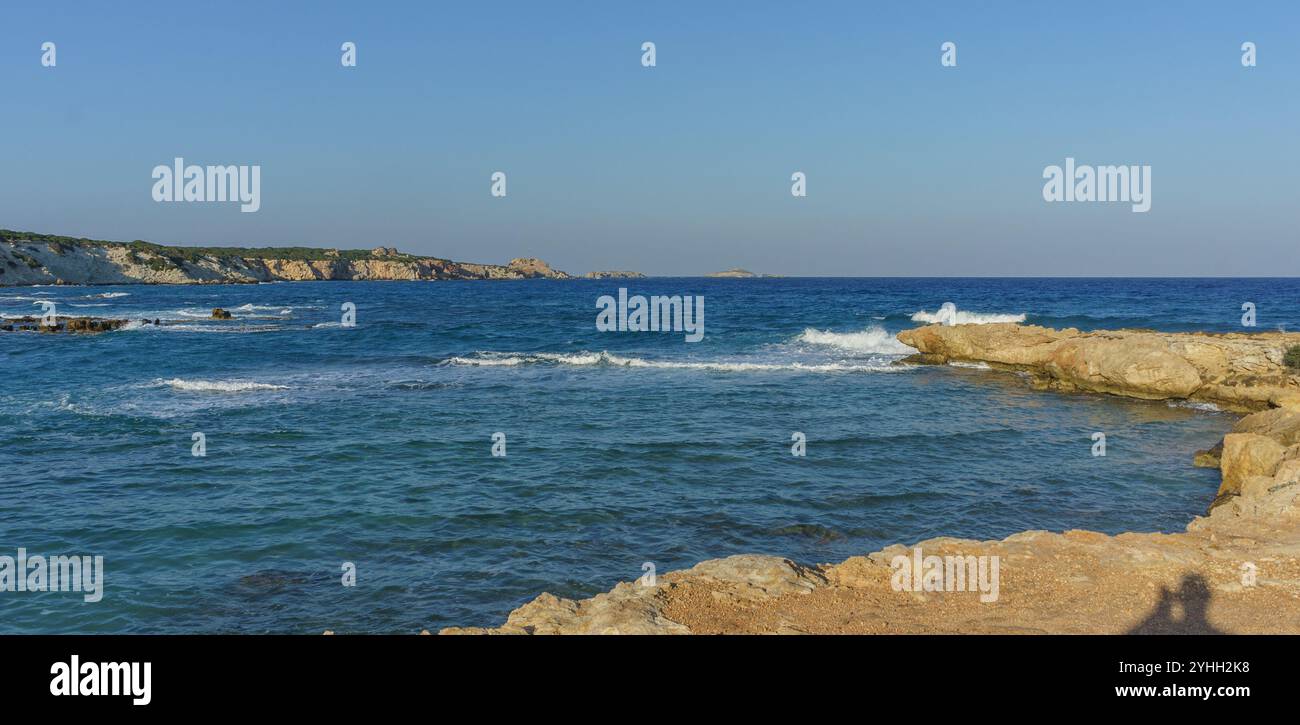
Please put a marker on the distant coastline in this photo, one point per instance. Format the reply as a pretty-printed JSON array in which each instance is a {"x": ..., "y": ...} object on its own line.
[{"x": 28, "y": 259}]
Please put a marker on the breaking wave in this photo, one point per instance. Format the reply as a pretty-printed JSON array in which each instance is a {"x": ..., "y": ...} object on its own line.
[
  {"x": 971, "y": 365},
  {"x": 217, "y": 386},
  {"x": 948, "y": 314},
  {"x": 248, "y": 310},
  {"x": 221, "y": 329},
  {"x": 873, "y": 340},
  {"x": 490, "y": 359}
]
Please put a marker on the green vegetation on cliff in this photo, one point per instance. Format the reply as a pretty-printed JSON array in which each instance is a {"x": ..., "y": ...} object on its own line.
[{"x": 1292, "y": 357}]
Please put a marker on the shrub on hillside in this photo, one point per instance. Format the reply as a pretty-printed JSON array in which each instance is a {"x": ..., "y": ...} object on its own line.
[{"x": 1292, "y": 358}]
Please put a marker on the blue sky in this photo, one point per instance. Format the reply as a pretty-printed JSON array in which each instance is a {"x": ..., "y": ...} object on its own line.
[{"x": 913, "y": 169}]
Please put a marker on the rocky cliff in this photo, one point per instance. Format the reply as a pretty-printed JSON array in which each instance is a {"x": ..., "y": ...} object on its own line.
[
  {"x": 1234, "y": 570},
  {"x": 1234, "y": 370},
  {"x": 28, "y": 259}
]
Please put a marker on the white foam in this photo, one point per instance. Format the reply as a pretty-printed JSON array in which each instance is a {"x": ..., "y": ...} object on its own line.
[
  {"x": 222, "y": 329},
  {"x": 1194, "y": 405},
  {"x": 971, "y": 365},
  {"x": 873, "y": 340},
  {"x": 948, "y": 314},
  {"x": 274, "y": 309},
  {"x": 486, "y": 359},
  {"x": 220, "y": 386},
  {"x": 248, "y": 310},
  {"x": 110, "y": 295}
]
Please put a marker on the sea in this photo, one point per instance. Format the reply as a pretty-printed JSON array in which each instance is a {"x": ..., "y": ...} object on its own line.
[{"x": 452, "y": 449}]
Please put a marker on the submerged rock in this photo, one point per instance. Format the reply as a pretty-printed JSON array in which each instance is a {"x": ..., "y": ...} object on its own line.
[{"x": 61, "y": 324}]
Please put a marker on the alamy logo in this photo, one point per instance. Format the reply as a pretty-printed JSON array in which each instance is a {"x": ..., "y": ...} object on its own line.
[
  {"x": 1247, "y": 314},
  {"x": 919, "y": 573},
  {"x": 213, "y": 183},
  {"x": 656, "y": 314},
  {"x": 1101, "y": 183},
  {"x": 75, "y": 677},
  {"x": 55, "y": 574},
  {"x": 1249, "y": 574}
]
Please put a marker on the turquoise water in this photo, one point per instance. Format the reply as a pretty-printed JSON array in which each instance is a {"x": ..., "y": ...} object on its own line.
[{"x": 372, "y": 444}]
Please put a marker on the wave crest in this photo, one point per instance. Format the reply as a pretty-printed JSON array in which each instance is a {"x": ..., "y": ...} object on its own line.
[
  {"x": 218, "y": 386},
  {"x": 873, "y": 340},
  {"x": 948, "y": 314},
  {"x": 489, "y": 359}
]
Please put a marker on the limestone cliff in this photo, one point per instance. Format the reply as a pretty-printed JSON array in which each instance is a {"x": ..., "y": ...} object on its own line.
[
  {"x": 1234, "y": 370},
  {"x": 27, "y": 259}
]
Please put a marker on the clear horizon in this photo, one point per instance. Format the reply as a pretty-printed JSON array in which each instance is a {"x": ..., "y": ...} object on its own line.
[{"x": 913, "y": 169}]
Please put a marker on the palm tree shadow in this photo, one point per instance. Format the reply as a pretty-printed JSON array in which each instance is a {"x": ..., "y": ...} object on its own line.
[{"x": 1193, "y": 597}]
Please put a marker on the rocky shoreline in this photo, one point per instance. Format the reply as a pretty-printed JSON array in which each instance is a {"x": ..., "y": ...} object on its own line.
[
  {"x": 34, "y": 259},
  {"x": 1234, "y": 570}
]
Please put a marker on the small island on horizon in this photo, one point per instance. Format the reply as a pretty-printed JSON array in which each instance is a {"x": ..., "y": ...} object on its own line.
[{"x": 738, "y": 273}]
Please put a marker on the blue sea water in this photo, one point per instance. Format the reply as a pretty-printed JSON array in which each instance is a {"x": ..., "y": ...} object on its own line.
[{"x": 372, "y": 444}]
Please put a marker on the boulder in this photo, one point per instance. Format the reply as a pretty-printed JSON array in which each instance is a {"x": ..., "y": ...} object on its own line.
[
  {"x": 1280, "y": 424},
  {"x": 220, "y": 314},
  {"x": 1138, "y": 366},
  {"x": 1003, "y": 343},
  {"x": 1246, "y": 455}
]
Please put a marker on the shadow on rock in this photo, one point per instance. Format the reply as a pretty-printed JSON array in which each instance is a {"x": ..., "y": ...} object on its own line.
[{"x": 1180, "y": 612}]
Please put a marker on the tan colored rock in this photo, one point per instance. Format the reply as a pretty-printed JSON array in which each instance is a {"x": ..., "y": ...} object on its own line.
[
  {"x": 1256, "y": 486},
  {"x": 1246, "y": 455},
  {"x": 1287, "y": 472},
  {"x": 1235, "y": 370},
  {"x": 635, "y": 608},
  {"x": 1138, "y": 366},
  {"x": 1280, "y": 424},
  {"x": 1071, "y": 582},
  {"x": 1005, "y": 344}
]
